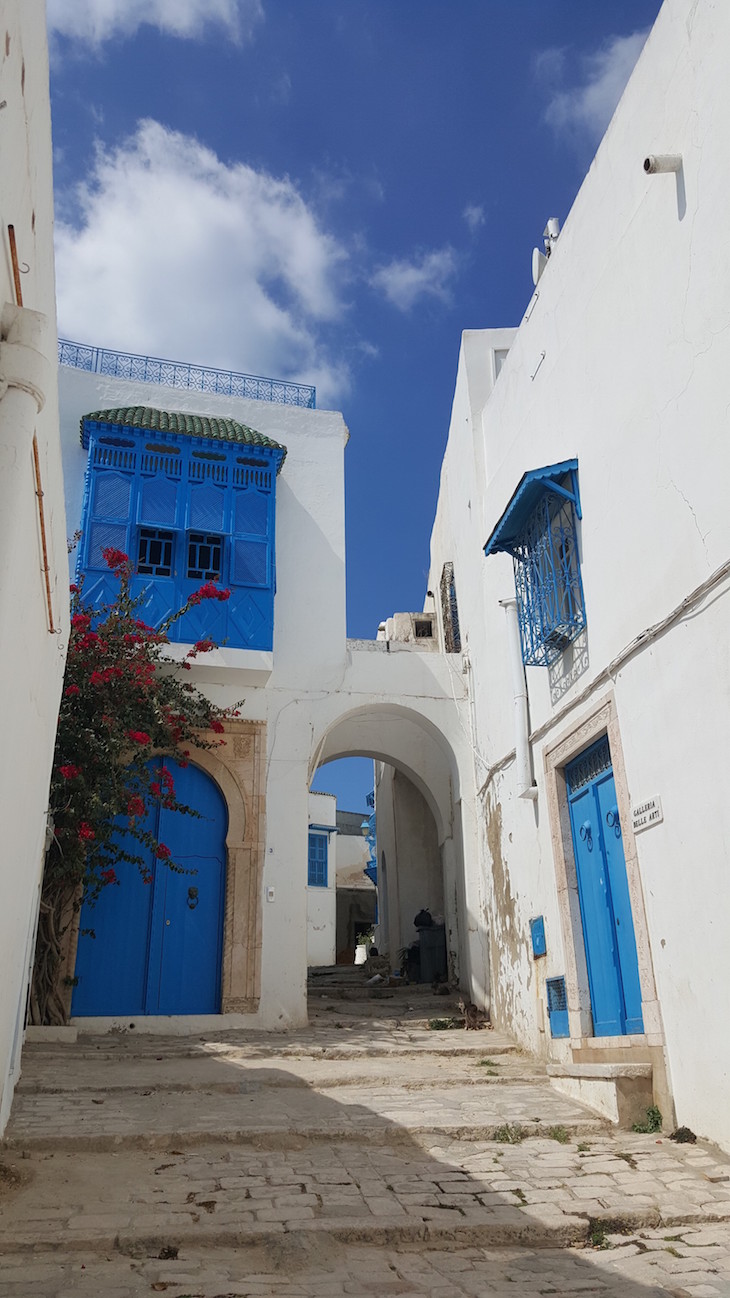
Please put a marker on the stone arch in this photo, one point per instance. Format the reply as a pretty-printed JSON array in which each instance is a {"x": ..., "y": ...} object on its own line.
[{"x": 408, "y": 740}]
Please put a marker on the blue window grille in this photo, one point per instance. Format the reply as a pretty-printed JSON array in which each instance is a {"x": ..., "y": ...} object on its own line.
[
  {"x": 154, "y": 555},
  {"x": 317, "y": 872},
  {"x": 187, "y": 510},
  {"x": 538, "y": 529},
  {"x": 557, "y": 1007}
]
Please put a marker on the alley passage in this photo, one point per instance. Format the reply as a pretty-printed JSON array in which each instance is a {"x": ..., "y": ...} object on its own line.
[{"x": 364, "y": 1155}]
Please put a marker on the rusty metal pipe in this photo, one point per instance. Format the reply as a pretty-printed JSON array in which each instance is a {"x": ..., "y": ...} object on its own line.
[
  {"x": 44, "y": 545},
  {"x": 15, "y": 265}
]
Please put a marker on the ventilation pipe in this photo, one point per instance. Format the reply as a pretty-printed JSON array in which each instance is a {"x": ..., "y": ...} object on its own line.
[
  {"x": 525, "y": 786},
  {"x": 657, "y": 163}
]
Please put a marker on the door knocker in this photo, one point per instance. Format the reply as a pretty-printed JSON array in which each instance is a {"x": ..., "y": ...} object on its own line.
[
  {"x": 613, "y": 821},
  {"x": 586, "y": 834},
  {"x": 193, "y": 898}
]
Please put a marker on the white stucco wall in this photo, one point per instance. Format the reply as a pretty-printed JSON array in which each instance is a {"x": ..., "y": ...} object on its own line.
[
  {"x": 622, "y": 361},
  {"x": 413, "y": 874},
  {"x": 321, "y": 902},
  {"x": 31, "y": 657}
]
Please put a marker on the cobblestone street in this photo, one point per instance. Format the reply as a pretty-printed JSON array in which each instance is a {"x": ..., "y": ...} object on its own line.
[{"x": 364, "y": 1155}]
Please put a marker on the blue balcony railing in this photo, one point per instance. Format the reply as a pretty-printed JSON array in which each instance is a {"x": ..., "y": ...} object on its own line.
[{"x": 176, "y": 374}]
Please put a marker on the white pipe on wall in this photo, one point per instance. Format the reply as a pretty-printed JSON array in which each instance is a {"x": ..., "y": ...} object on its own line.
[{"x": 525, "y": 786}]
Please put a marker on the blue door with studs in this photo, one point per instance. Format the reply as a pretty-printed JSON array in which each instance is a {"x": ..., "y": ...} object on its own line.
[
  {"x": 156, "y": 947},
  {"x": 605, "y": 904}
]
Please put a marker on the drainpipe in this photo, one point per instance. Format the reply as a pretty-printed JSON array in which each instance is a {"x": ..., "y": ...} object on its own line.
[{"x": 525, "y": 786}]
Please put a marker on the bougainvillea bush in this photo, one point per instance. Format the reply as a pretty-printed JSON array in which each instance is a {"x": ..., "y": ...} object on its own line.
[{"x": 125, "y": 701}]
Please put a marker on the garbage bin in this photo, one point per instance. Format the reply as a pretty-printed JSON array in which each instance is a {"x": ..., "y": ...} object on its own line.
[{"x": 433, "y": 953}]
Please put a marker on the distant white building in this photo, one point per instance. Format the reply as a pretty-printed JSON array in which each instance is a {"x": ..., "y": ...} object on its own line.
[
  {"x": 322, "y": 880},
  {"x": 588, "y": 453},
  {"x": 33, "y": 594}
]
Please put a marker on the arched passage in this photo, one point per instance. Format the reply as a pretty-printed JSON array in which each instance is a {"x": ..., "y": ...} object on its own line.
[{"x": 424, "y": 800}]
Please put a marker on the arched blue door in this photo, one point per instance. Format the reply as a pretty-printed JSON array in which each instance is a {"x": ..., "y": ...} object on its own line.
[{"x": 157, "y": 947}]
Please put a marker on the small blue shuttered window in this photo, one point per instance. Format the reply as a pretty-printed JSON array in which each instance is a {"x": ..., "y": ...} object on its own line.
[
  {"x": 317, "y": 872},
  {"x": 186, "y": 509}
]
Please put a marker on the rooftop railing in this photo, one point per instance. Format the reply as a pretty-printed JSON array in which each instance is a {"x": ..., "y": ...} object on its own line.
[{"x": 176, "y": 374}]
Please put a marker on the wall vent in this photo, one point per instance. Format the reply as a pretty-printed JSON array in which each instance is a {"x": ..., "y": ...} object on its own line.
[{"x": 557, "y": 1007}]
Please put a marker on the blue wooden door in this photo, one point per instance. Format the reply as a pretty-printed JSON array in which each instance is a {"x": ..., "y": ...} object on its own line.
[
  {"x": 157, "y": 948},
  {"x": 605, "y": 905}
]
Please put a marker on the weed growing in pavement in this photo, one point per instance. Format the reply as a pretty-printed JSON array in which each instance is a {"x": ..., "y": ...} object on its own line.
[
  {"x": 559, "y": 1134},
  {"x": 652, "y": 1122},
  {"x": 510, "y": 1134},
  {"x": 597, "y": 1237},
  {"x": 583, "y": 1147}
]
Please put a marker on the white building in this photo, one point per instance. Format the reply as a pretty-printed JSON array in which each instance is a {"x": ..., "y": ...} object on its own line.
[
  {"x": 322, "y": 880},
  {"x": 33, "y": 595},
  {"x": 191, "y": 483},
  {"x": 593, "y": 462}
]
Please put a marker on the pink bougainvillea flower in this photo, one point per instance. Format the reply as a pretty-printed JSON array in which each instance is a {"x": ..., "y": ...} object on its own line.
[
  {"x": 74, "y": 588},
  {"x": 217, "y": 726},
  {"x": 109, "y": 876},
  {"x": 85, "y": 831},
  {"x": 81, "y": 620},
  {"x": 162, "y": 852},
  {"x": 69, "y": 772},
  {"x": 114, "y": 559},
  {"x": 135, "y": 806},
  {"x": 70, "y": 690},
  {"x": 139, "y": 736}
]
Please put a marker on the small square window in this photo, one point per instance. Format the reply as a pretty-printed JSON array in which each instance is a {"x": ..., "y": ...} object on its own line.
[
  {"x": 205, "y": 556},
  {"x": 424, "y": 630},
  {"x": 154, "y": 556}
]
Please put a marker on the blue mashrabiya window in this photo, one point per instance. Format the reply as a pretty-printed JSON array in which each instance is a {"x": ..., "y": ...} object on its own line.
[
  {"x": 538, "y": 528},
  {"x": 190, "y": 500}
]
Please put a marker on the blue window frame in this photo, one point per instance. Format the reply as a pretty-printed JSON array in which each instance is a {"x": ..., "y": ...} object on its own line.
[
  {"x": 187, "y": 510},
  {"x": 317, "y": 872},
  {"x": 538, "y": 528}
]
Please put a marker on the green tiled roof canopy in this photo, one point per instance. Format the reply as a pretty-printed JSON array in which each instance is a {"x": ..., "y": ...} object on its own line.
[{"x": 164, "y": 421}]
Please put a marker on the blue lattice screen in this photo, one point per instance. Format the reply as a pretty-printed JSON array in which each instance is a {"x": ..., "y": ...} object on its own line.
[
  {"x": 317, "y": 872},
  {"x": 185, "y": 512}
]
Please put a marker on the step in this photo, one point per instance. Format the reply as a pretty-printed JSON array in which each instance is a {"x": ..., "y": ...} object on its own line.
[
  {"x": 621, "y": 1092},
  {"x": 269, "y": 1116},
  {"x": 539, "y": 1192}
]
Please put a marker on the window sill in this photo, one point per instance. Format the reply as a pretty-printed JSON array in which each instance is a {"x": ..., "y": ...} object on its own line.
[{"x": 246, "y": 666}]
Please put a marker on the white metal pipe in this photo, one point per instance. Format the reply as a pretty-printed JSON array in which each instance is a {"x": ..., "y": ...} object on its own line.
[{"x": 525, "y": 786}]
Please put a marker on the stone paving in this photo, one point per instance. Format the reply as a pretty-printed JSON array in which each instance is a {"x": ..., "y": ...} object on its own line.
[{"x": 380, "y": 1158}]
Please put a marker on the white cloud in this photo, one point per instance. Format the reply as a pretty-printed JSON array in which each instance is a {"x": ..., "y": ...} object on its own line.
[
  {"x": 177, "y": 254},
  {"x": 586, "y": 109},
  {"x": 430, "y": 275},
  {"x": 96, "y": 21},
  {"x": 474, "y": 216}
]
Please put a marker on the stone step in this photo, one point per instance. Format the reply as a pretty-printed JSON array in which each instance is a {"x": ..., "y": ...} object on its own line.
[
  {"x": 273, "y": 1115},
  {"x": 538, "y": 1191}
]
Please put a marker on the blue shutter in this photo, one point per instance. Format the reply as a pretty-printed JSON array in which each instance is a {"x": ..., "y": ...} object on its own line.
[
  {"x": 317, "y": 873},
  {"x": 557, "y": 1007}
]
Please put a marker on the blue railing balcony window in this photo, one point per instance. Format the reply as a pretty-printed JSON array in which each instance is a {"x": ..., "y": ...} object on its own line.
[{"x": 538, "y": 528}]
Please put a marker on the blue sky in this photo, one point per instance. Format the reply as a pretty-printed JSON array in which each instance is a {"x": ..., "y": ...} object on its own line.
[{"x": 327, "y": 190}]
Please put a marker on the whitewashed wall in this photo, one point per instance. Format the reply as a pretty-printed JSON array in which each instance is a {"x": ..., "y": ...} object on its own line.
[
  {"x": 621, "y": 360},
  {"x": 321, "y": 902},
  {"x": 31, "y": 657},
  {"x": 321, "y": 696}
]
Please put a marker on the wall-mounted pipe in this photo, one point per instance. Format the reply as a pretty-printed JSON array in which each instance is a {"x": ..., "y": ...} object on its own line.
[
  {"x": 525, "y": 786},
  {"x": 656, "y": 163}
]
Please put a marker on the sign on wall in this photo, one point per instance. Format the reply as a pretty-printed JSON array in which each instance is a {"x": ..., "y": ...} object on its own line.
[{"x": 647, "y": 814}]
